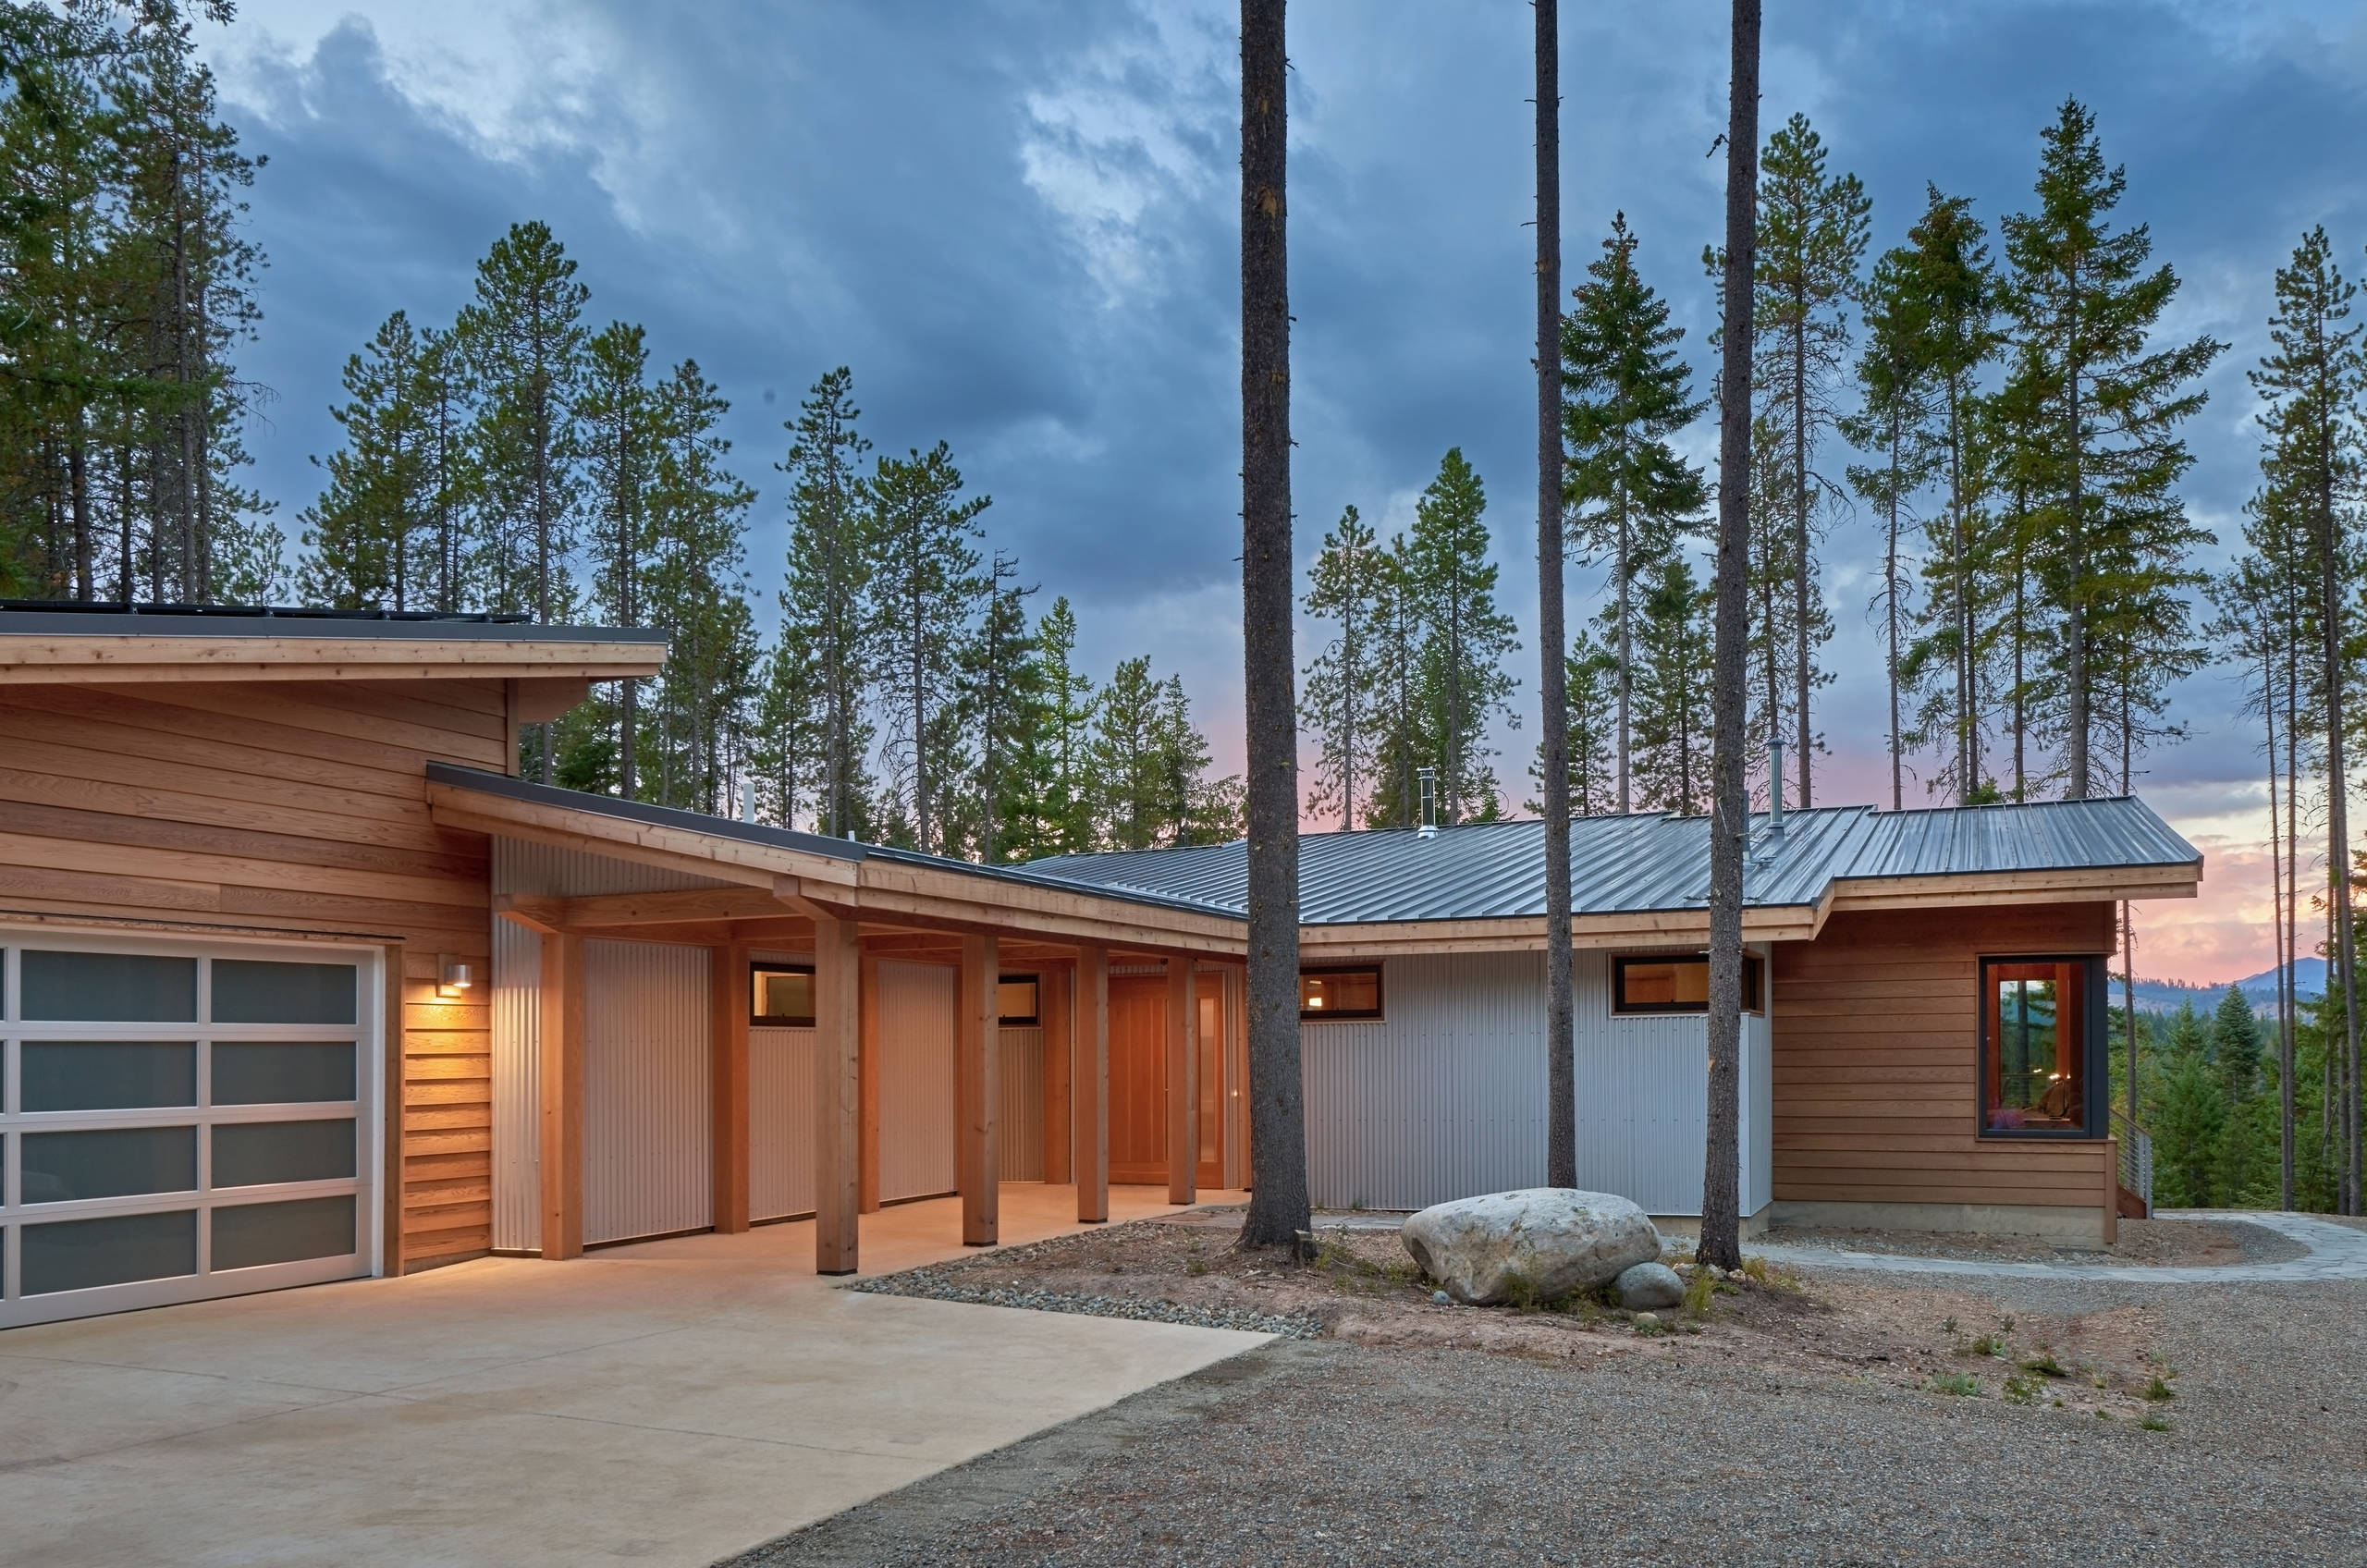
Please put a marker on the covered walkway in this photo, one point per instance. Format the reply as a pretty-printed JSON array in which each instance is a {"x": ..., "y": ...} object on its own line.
[{"x": 672, "y": 1402}]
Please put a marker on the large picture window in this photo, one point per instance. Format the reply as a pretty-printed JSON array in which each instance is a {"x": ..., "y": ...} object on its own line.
[
  {"x": 1350, "y": 994},
  {"x": 1678, "y": 983},
  {"x": 2041, "y": 1037}
]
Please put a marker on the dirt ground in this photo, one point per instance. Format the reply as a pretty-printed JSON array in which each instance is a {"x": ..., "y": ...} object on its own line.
[
  {"x": 2157, "y": 1242},
  {"x": 1363, "y": 1289}
]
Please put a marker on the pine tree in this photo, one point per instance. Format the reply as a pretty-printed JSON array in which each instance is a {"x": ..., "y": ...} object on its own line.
[
  {"x": 928, "y": 590},
  {"x": 2108, "y": 404},
  {"x": 622, "y": 440},
  {"x": 362, "y": 538},
  {"x": 1069, "y": 706},
  {"x": 1345, "y": 585},
  {"x": 697, "y": 587},
  {"x": 2311, "y": 385},
  {"x": 785, "y": 749},
  {"x": 1946, "y": 283},
  {"x": 1003, "y": 699},
  {"x": 2236, "y": 1046},
  {"x": 1631, "y": 498},
  {"x": 1152, "y": 764},
  {"x": 1673, "y": 738},
  {"x": 1402, "y": 747},
  {"x": 826, "y": 595},
  {"x": 1590, "y": 684},
  {"x": 1465, "y": 636},
  {"x": 1811, "y": 241},
  {"x": 1899, "y": 391}
]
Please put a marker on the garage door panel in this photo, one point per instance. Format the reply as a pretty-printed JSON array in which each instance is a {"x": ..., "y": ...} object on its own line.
[
  {"x": 179, "y": 1121},
  {"x": 648, "y": 1118},
  {"x": 918, "y": 1005}
]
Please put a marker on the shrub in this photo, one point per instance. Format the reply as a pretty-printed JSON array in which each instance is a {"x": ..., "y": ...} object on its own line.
[
  {"x": 2044, "y": 1363},
  {"x": 2157, "y": 1391},
  {"x": 1962, "y": 1384},
  {"x": 1698, "y": 1289}
]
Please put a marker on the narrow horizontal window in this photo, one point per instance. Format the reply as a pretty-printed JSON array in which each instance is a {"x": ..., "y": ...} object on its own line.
[
  {"x": 251, "y": 991},
  {"x": 109, "y": 987},
  {"x": 107, "y": 1074},
  {"x": 1017, "y": 1001},
  {"x": 781, "y": 996},
  {"x": 1678, "y": 983},
  {"x": 1346, "y": 994}
]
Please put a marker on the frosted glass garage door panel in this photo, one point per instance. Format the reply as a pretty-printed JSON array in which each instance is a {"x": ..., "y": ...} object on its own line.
[
  {"x": 917, "y": 1006},
  {"x": 108, "y": 987}
]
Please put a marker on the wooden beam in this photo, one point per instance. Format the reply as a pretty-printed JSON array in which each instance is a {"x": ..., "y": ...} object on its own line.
[
  {"x": 730, "y": 1001},
  {"x": 2112, "y": 1191},
  {"x": 608, "y": 910},
  {"x": 977, "y": 1162},
  {"x": 869, "y": 1050},
  {"x": 542, "y": 699},
  {"x": 1182, "y": 1080},
  {"x": 1052, "y": 1011},
  {"x": 837, "y": 1097},
  {"x": 562, "y": 1053},
  {"x": 540, "y": 915},
  {"x": 1089, "y": 1083}
]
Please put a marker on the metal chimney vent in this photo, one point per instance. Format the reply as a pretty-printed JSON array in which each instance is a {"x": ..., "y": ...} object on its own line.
[{"x": 1429, "y": 779}]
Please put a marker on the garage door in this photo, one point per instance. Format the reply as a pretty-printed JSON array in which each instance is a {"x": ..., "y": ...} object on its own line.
[{"x": 178, "y": 1122}]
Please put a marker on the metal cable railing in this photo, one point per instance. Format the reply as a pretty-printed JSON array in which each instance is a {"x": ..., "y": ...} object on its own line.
[{"x": 2136, "y": 1159}]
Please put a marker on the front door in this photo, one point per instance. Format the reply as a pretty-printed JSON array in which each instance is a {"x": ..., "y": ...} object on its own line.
[{"x": 1138, "y": 1078}]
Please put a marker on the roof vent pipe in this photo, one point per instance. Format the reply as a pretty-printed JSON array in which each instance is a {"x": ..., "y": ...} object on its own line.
[
  {"x": 1428, "y": 777},
  {"x": 748, "y": 799},
  {"x": 1774, "y": 793}
]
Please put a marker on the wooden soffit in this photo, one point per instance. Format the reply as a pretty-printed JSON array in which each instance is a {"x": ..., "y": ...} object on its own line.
[{"x": 37, "y": 659}]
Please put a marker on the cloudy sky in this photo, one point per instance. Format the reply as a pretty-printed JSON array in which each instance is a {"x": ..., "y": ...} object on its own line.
[{"x": 1015, "y": 223}]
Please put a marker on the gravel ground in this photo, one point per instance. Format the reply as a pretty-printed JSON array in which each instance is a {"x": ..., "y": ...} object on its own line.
[
  {"x": 2161, "y": 1242},
  {"x": 1337, "y": 1451}
]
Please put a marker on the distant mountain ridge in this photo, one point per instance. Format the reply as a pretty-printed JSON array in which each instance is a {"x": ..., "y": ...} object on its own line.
[{"x": 2168, "y": 996}]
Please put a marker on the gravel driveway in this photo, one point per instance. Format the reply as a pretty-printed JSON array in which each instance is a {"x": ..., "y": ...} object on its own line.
[{"x": 1333, "y": 1452}]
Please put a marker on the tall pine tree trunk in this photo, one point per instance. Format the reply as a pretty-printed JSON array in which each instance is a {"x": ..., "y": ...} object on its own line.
[
  {"x": 1800, "y": 673},
  {"x": 1626, "y": 662},
  {"x": 1721, "y": 1242},
  {"x": 1560, "y": 1067},
  {"x": 1890, "y": 607},
  {"x": 1278, "y": 1203},
  {"x": 2277, "y": 920},
  {"x": 2331, "y": 589}
]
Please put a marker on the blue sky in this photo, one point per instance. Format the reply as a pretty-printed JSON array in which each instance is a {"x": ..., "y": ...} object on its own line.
[{"x": 1015, "y": 223}]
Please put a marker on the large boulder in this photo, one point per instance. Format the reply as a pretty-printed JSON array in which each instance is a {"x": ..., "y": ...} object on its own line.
[{"x": 1539, "y": 1242}]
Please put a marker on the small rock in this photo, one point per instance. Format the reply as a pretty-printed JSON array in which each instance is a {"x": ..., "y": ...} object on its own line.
[
  {"x": 1646, "y": 1321},
  {"x": 1442, "y": 1298},
  {"x": 1650, "y": 1284},
  {"x": 1541, "y": 1242}
]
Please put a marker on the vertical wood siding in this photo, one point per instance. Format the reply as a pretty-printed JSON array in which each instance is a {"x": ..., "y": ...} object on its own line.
[
  {"x": 648, "y": 1120},
  {"x": 781, "y": 1123},
  {"x": 917, "y": 1007},
  {"x": 282, "y": 807},
  {"x": 1877, "y": 1057},
  {"x": 1022, "y": 1077}
]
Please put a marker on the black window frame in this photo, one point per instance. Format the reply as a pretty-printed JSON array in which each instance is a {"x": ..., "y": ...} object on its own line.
[
  {"x": 1374, "y": 1014},
  {"x": 775, "y": 1020},
  {"x": 1032, "y": 1020},
  {"x": 1754, "y": 968},
  {"x": 2095, "y": 1055}
]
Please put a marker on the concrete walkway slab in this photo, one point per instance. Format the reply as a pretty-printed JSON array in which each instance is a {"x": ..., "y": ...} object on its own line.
[
  {"x": 670, "y": 1403},
  {"x": 2336, "y": 1252}
]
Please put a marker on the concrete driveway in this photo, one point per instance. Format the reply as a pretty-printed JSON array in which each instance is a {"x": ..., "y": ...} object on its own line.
[{"x": 669, "y": 1402}]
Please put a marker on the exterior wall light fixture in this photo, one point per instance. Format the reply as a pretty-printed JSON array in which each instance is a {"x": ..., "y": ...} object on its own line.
[{"x": 454, "y": 977}]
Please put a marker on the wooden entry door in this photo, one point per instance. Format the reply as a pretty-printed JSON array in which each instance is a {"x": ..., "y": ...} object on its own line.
[{"x": 1138, "y": 1080}]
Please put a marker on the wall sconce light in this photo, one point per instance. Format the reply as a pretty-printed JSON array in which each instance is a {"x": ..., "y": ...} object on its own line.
[{"x": 454, "y": 977}]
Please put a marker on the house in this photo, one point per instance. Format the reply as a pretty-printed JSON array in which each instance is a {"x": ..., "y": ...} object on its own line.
[{"x": 299, "y": 983}]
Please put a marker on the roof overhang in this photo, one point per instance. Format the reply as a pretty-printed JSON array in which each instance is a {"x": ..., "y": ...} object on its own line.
[
  {"x": 801, "y": 873},
  {"x": 39, "y": 648}
]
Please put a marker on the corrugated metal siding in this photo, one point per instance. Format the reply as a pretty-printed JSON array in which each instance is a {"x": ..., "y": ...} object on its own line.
[
  {"x": 516, "y": 1084},
  {"x": 520, "y": 866},
  {"x": 780, "y": 1122},
  {"x": 1759, "y": 1113},
  {"x": 1642, "y": 1088},
  {"x": 1442, "y": 1098},
  {"x": 648, "y": 1124},
  {"x": 917, "y": 1005},
  {"x": 1022, "y": 1077}
]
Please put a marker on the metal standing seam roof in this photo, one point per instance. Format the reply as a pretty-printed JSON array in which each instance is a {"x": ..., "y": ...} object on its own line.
[
  {"x": 483, "y": 783},
  {"x": 1639, "y": 865}
]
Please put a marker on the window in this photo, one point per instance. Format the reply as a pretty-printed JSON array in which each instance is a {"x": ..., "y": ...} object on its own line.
[
  {"x": 1351, "y": 994},
  {"x": 781, "y": 996},
  {"x": 1016, "y": 1003},
  {"x": 2040, "y": 1038},
  {"x": 1679, "y": 982}
]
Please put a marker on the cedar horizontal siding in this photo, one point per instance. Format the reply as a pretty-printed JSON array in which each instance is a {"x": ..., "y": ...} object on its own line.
[
  {"x": 1877, "y": 1027},
  {"x": 283, "y": 806}
]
